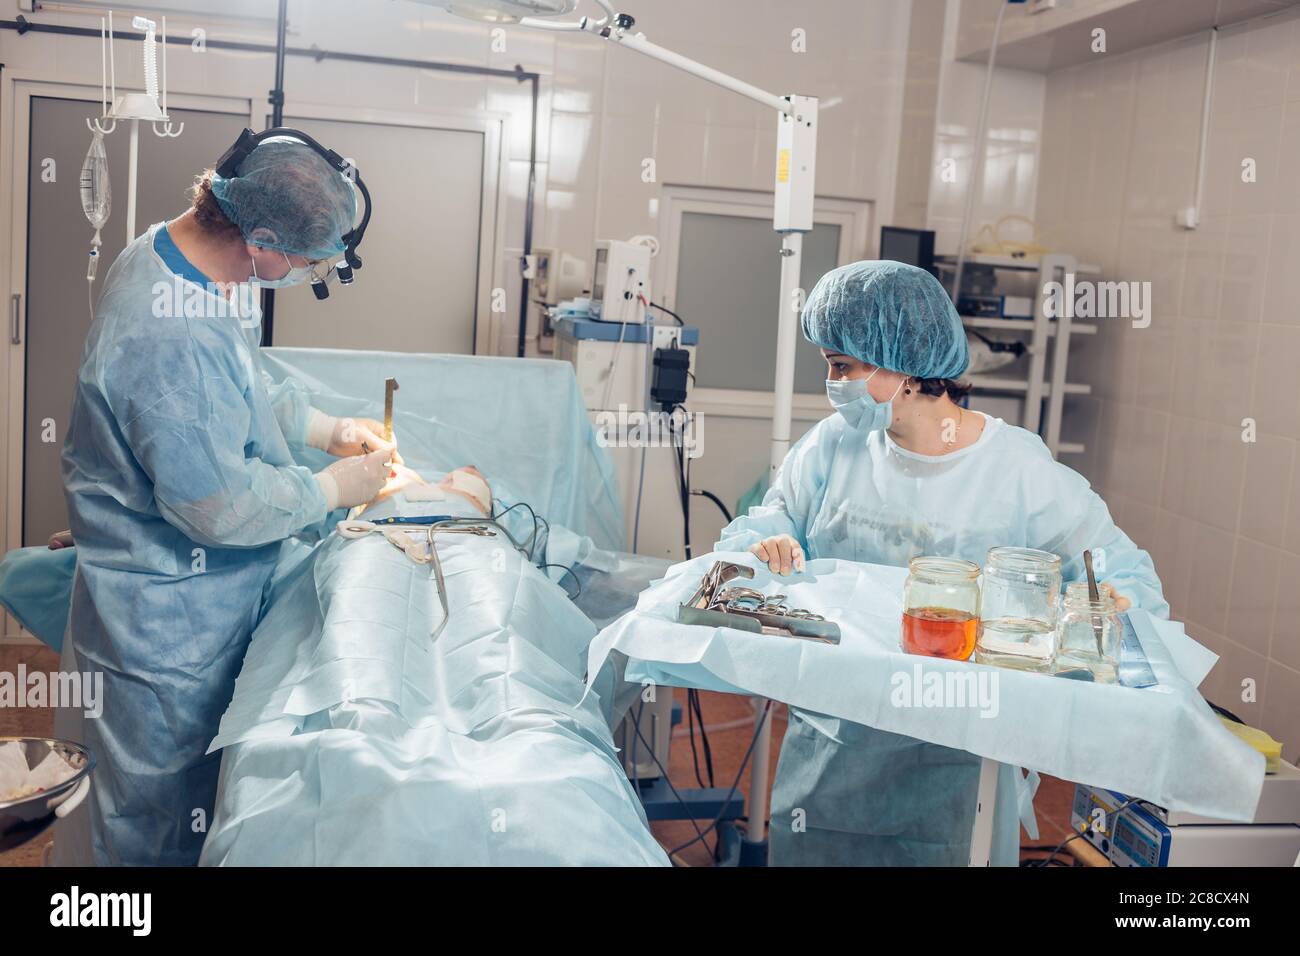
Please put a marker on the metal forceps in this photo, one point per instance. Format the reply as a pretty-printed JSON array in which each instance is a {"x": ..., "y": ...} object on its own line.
[
  {"x": 474, "y": 526},
  {"x": 358, "y": 528},
  {"x": 403, "y": 533}
]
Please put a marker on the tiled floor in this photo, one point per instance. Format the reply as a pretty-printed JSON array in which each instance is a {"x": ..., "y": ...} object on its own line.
[
  {"x": 728, "y": 715},
  {"x": 1051, "y": 805}
]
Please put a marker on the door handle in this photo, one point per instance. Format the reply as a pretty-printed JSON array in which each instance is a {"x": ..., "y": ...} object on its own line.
[{"x": 16, "y": 327}]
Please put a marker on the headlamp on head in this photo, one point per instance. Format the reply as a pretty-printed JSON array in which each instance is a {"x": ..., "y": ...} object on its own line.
[{"x": 323, "y": 274}]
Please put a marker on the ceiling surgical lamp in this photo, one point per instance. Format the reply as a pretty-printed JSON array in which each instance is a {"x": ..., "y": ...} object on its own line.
[
  {"x": 508, "y": 11},
  {"x": 796, "y": 159}
]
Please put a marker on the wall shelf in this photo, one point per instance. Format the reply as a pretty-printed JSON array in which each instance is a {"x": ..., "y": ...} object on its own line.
[
  {"x": 1056, "y": 38},
  {"x": 994, "y": 383},
  {"x": 1044, "y": 386},
  {"x": 1022, "y": 325}
]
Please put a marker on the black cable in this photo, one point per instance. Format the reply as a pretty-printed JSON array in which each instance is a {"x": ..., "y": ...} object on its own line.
[
  {"x": 1224, "y": 712},
  {"x": 1068, "y": 863},
  {"x": 521, "y": 347},
  {"x": 1114, "y": 816},
  {"x": 690, "y": 730},
  {"x": 1017, "y": 348},
  {"x": 681, "y": 488},
  {"x": 758, "y": 727},
  {"x": 636, "y": 725},
  {"x": 694, "y": 698},
  {"x": 539, "y": 524},
  {"x": 276, "y": 99},
  {"x": 636, "y": 773},
  {"x": 717, "y": 501},
  {"x": 578, "y": 583},
  {"x": 686, "y": 502},
  {"x": 667, "y": 311},
  {"x": 693, "y": 711},
  {"x": 683, "y": 478},
  {"x": 686, "y": 461}
]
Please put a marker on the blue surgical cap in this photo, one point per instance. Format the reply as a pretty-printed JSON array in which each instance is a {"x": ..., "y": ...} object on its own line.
[
  {"x": 890, "y": 315},
  {"x": 287, "y": 197}
]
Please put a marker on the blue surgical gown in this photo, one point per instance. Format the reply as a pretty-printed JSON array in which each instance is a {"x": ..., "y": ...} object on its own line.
[
  {"x": 180, "y": 485},
  {"x": 873, "y": 798}
]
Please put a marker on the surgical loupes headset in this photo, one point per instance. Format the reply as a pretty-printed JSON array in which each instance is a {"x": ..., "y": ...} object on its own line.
[{"x": 228, "y": 166}]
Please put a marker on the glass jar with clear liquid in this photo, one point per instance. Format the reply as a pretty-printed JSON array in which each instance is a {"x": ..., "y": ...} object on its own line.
[
  {"x": 1022, "y": 591},
  {"x": 1088, "y": 634},
  {"x": 941, "y": 607}
]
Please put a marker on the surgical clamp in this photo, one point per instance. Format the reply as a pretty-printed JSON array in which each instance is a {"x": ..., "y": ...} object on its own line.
[{"x": 747, "y": 609}]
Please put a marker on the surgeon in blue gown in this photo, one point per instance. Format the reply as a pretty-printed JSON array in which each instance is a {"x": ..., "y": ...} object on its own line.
[
  {"x": 181, "y": 482},
  {"x": 903, "y": 470}
]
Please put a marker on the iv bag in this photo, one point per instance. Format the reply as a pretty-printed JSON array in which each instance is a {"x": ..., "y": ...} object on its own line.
[{"x": 96, "y": 196}]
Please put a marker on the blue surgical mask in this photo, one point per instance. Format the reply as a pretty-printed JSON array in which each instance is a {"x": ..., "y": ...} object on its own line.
[
  {"x": 295, "y": 276},
  {"x": 856, "y": 406}
]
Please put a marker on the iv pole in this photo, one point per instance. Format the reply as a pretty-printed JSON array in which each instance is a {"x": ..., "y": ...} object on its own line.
[
  {"x": 135, "y": 106},
  {"x": 796, "y": 161}
]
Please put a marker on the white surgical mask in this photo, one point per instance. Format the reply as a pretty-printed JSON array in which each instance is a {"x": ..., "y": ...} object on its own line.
[
  {"x": 295, "y": 276},
  {"x": 855, "y": 405}
]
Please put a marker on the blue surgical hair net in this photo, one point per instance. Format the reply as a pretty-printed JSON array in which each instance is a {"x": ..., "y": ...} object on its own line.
[
  {"x": 890, "y": 315},
  {"x": 287, "y": 197}
]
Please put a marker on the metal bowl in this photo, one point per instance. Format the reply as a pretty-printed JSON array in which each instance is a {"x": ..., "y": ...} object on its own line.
[{"x": 28, "y": 817}]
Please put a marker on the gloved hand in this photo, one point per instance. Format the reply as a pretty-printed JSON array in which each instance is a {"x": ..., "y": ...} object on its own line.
[
  {"x": 1122, "y": 603},
  {"x": 60, "y": 539},
  {"x": 345, "y": 437},
  {"x": 354, "y": 481},
  {"x": 399, "y": 478},
  {"x": 782, "y": 553}
]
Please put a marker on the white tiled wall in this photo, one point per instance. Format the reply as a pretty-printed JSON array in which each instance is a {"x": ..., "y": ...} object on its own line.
[
  {"x": 1011, "y": 153},
  {"x": 1220, "y": 515},
  {"x": 924, "y": 69}
]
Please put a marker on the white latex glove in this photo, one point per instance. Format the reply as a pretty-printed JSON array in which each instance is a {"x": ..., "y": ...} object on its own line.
[
  {"x": 346, "y": 437},
  {"x": 1122, "y": 603},
  {"x": 353, "y": 481},
  {"x": 399, "y": 479},
  {"x": 781, "y": 552}
]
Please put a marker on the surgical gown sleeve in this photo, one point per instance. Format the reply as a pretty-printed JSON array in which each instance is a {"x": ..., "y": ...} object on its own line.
[
  {"x": 1067, "y": 517},
  {"x": 291, "y": 403},
  {"x": 186, "y": 408},
  {"x": 793, "y": 499}
]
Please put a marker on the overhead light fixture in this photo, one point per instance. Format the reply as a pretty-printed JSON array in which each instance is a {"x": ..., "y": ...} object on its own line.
[{"x": 508, "y": 11}]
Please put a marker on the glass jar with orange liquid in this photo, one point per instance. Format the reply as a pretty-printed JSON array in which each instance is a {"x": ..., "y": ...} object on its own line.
[{"x": 941, "y": 607}]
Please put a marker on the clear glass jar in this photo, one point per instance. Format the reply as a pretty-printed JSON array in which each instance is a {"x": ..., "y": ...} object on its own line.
[
  {"x": 941, "y": 607},
  {"x": 1088, "y": 634},
  {"x": 1022, "y": 592}
]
